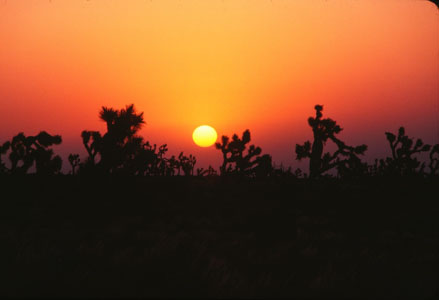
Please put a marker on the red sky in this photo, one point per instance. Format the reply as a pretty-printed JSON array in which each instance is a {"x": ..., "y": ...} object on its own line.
[{"x": 234, "y": 65}]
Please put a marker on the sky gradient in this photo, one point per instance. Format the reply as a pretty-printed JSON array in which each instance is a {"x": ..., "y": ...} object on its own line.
[{"x": 231, "y": 64}]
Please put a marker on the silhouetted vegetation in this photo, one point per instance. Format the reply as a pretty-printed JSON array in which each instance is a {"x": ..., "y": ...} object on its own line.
[
  {"x": 402, "y": 162},
  {"x": 3, "y": 149},
  {"x": 122, "y": 151},
  {"x": 32, "y": 151},
  {"x": 236, "y": 161},
  {"x": 160, "y": 227},
  {"x": 345, "y": 158},
  {"x": 74, "y": 161}
]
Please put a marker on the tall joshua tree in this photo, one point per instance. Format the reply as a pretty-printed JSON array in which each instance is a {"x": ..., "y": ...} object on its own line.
[
  {"x": 121, "y": 150},
  {"x": 344, "y": 158},
  {"x": 120, "y": 145},
  {"x": 120, "y": 142}
]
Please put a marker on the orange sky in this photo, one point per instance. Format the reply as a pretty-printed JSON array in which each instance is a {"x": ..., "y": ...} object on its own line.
[{"x": 231, "y": 64}]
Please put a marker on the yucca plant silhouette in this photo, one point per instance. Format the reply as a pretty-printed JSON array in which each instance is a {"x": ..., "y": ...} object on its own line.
[
  {"x": 92, "y": 141},
  {"x": 74, "y": 161},
  {"x": 210, "y": 171},
  {"x": 402, "y": 161},
  {"x": 224, "y": 147},
  {"x": 119, "y": 147},
  {"x": 187, "y": 163},
  {"x": 238, "y": 162},
  {"x": 25, "y": 151},
  {"x": 150, "y": 160},
  {"x": 120, "y": 142},
  {"x": 345, "y": 158}
]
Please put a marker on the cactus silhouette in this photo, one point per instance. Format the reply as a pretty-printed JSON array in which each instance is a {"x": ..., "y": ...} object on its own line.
[
  {"x": 74, "y": 161},
  {"x": 235, "y": 161},
  {"x": 402, "y": 161},
  {"x": 210, "y": 171},
  {"x": 120, "y": 142},
  {"x": 224, "y": 147},
  {"x": 187, "y": 163},
  {"x": 151, "y": 161},
  {"x": 173, "y": 166},
  {"x": 119, "y": 147},
  {"x": 324, "y": 129},
  {"x": 25, "y": 151},
  {"x": 92, "y": 141}
]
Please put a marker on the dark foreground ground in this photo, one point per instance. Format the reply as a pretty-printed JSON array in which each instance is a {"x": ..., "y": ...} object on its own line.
[{"x": 198, "y": 237}]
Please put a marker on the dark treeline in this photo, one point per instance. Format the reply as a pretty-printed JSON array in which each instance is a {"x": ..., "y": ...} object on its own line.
[
  {"x": 250, "y": 230},
  {"x": 121, "y": 151}
]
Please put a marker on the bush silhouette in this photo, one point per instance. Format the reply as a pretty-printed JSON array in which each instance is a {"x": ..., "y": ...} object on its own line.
[
  {"x": 434, "y": 160},
  {"x": 187, "y": 163},
  {"x": 74, "y": 161},
  {"x": 122, "y": 151},
  {"x": 120, "y": 143},
  {"x": 34, "y": 150},
  {"x": 345, "y": 158},
  {"x": 92, "y": 141},
  {"x": 237, "y": 162},
  {"x": 402, "y": 162},
  {"x": 3, "y": 149},
  {"x": 210, "y": 171}
]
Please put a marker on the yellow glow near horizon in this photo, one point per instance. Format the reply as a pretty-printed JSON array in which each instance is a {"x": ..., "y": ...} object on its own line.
[
  {"x": 204, "y": 136},
  {"x": 239, "y": 64}
]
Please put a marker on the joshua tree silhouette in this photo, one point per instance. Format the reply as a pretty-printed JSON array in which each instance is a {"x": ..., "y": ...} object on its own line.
[
  {"x": 120, "y": 143},
  {"x": 187, "y": 163},
  {"x": 74, "y": 162},
  {"x": 119, "y": 146},
  {"x": 25, "y": 151},
  {"x": 402, "y": 161},
  {"x": 235, "y": 161},
  {"x": 122, "y": 151},
  {"x": 210, "y": 171},
  {"x": 324, "y": 129},
  {"x": 92, "y": 141}
]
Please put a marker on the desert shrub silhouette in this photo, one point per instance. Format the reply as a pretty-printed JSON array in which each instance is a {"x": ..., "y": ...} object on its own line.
[
  {"x": 345, "y": 159},
  {"x": 119, "y": 150},
  {"x": 434, "y": 160},
  {"x": 402, "y": 162},
  {"x": 3, "y": 149},
  {"x": 74, "y": 161},
  {"x": 236, "y": 162},
  {"x": 210, "y": 171},
  {"x": 122, "y": 151},
  {"x": 28, "y": 151},
  {"x": 187, "y": 163},
  {"x": 120, "y": 144}
]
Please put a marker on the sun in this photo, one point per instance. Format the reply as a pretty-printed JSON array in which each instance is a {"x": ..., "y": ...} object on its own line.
[{"x": 204, "y": 136}]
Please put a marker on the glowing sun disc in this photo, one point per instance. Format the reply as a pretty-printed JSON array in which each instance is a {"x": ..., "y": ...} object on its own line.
[{"x": 204, "y": 136}]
